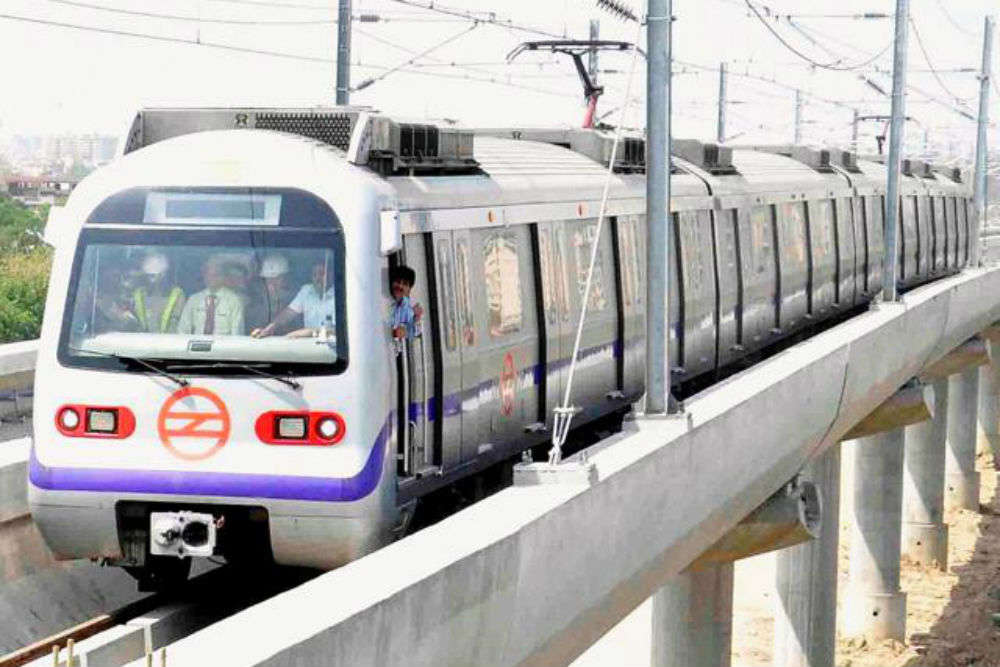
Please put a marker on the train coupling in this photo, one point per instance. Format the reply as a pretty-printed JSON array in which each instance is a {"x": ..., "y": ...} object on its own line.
[{"x": 182, "y": 534}]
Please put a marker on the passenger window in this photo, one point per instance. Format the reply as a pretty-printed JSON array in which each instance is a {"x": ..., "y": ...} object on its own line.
[
  {"x": 583, "y": 239},
  {"x": 503, "y": 282},
  {"x": 626, "y": 239},
  {"x": 562, "y": 279},
  {"x": 465, "y": 309},
  {"x": 547, "y": 260},
  {"x": 793, "y": 226},
  {"x": 637, "y": 230},
  {"x": 760, "y": 226},
  {"x": 447, "y": 293}
]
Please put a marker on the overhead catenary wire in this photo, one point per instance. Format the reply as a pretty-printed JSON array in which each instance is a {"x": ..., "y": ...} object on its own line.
[
  {"x": 373, "y": 80},
  {"x": 193, "y": 19},
  {"x": 955, "y": 24},
  {"x": 490, "y": 18},
  {"x": 927, "y": 59},
  {"x": 834, "y": 65}
]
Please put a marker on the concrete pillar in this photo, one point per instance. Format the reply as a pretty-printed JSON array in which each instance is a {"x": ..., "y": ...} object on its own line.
[
  {"x": 805, "y": 620},
  {"x": 875, "y": 606},
  {"x": 693, "y": 619},
  {"x": 925, "y": 535},
  {"x": 988, "y": 434},
  {"x": 961, "y": 478}
]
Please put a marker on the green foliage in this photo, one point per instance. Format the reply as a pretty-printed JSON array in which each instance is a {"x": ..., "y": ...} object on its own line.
[
  {"x": 20, "y": 227},
  {"x": 24, "y": 271}
]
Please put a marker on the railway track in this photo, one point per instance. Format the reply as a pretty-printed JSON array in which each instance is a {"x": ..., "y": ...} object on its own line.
[{"x": 150, "y": 624}]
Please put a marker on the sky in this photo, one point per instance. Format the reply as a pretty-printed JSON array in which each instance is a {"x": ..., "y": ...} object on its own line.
[{"x": 61, "y": 79}]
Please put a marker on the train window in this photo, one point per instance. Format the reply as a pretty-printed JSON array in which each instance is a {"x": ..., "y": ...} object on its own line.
[
  {"x": 760, "y": 227},
  {"x": 503, "y": 282},
  {"x": 793, "y": 225},
  {"x": 547, "y": 259},
  {"x": 583, "y": 239},
  {"x": 627, "y": 234},
  {"x": 562, "y": 278},
  {"x": 465, "y": 310},
  {"x": 447, "y": 278}
]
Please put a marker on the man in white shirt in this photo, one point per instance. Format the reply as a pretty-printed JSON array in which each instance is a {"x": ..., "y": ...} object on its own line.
[{"x": 315, "y": 303}]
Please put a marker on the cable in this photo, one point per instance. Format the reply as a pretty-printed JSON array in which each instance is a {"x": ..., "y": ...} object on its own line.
[
  {"x": 491, "y": 18},
  {"x": 830, "y": 66},
  {"x": 404, "y": 49},
  {"x": 163, "y": 38},
  {"x": 281, "y": 5},
  {"x": 927, "y": 59},
  {"x": 175, "y": 17},
  {"x": 466, "y": 77},
  {"x": 953, "y": 22},
  {"x": 373, "y": 80}
]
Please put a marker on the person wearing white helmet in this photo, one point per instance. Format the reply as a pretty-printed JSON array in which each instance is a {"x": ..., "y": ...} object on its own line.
[
  {"x": 157, "y": 304},
  {"x": 271, "y": 294}
]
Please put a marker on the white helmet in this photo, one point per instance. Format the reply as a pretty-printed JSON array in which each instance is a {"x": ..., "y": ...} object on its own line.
[
  {"x": 273, "y": 266},
  {"x": 155, "y": 263}
]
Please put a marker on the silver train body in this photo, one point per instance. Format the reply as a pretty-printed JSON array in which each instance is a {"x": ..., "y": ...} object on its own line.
[{"x": 764, "y": 248}]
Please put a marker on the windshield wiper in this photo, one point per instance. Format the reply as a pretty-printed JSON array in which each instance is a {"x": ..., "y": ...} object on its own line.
[
  {"x": 142, "y": 362},
  {"x": 250, "y": 368}
]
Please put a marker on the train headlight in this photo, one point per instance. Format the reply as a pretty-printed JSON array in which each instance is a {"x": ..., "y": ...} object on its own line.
[
  {"x": 327, "y": 427},
  {"x": 291, "y": 428},
  {"x": 102, "y": 421},
  {"x": 69, "y": 419}
]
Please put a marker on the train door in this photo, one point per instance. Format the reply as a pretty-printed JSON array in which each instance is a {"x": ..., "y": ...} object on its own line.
[
  {"x": 417, "y": 440},
  {"x": 846, "y": 252},
  {"x": 875, "y": 237},
  {"x": 760, "y": 275},
  {"x": 555, "y": 310},
  {"x": 729, "y": 281},
  {"x": 632, "y": 257},
  {"x": 473, "y": 431},
  {"x": 502, "y": 264},
  {"x": 822, "y": 263},
  {"x": 793, "y": 265},
  {"x": 596, "y": 374},
  {"x": 940, "y": 235},
  {"x": 925, "y": 228},
  {"x": 450, "y": 404}
]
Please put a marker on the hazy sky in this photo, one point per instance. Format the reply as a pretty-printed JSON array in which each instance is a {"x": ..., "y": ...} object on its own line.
[{"x": 62, "y": 79}]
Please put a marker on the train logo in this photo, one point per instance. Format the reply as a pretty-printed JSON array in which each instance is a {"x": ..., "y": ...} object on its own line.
[
  {"x": 508, "y": 386},
  {"x": 193, "y": 423}
]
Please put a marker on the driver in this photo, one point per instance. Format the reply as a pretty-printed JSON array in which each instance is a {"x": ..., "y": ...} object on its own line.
[{"x": 315, "y": 303}]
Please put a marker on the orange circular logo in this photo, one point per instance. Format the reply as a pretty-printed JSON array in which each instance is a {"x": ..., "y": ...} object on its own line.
[
  {"x": 508, "y": 387},
  {"x": 193, "y": 423}
]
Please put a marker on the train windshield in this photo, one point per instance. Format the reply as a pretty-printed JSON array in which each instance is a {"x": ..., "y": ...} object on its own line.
[{"x": 207, "y": 300}]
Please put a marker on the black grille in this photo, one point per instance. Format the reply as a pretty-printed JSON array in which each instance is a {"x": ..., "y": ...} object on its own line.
[
  {"x": 330, "y": 128},
  {"x": 418, "y": 141}
]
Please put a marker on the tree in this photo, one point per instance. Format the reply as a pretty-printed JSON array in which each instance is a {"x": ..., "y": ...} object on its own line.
[{"x": 20, "y": 227}]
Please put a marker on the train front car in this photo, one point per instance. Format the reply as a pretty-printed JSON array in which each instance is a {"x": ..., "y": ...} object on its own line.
[{"x": 215, "y": 367}]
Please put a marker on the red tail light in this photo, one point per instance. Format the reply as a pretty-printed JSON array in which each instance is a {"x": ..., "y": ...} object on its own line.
[
  {"x": 300, "y": 428},
  {"x": 95, "y": 421}
]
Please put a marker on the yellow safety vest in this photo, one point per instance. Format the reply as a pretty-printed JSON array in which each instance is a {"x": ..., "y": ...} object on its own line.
[{"x": 139, "y": 299}]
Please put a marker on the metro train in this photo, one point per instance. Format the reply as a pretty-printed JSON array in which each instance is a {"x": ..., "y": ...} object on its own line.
[{"x": 164, "y": 431}]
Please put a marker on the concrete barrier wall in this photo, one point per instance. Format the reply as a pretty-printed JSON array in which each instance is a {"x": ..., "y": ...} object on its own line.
[
  {"x": 534, "y": 575},
  {"x": 40, "y": 596},
  {"x": 17, "y": 375}
]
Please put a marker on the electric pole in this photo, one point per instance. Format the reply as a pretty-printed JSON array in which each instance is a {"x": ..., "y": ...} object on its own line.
[
  {"x": 896, "y": 127},
  {"x": 344, "y": 52},
  {"x": 595, "y": 30},
  {"x": 658, "y": 221},
  {"x": 720, "y": 128},
  {"x": 854, "y": 132},
  {"x": 798, "y": 117},
  {"x": 979, "y": 185}
]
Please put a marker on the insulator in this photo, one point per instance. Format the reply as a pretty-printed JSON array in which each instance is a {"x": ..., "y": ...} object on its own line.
[{"x": 618, "y": 8}]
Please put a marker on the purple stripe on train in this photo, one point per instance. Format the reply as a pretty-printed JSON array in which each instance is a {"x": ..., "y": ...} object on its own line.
[{"x": 176, "y": 482}]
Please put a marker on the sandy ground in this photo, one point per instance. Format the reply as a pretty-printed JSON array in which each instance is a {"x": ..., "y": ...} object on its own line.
[{"x": 949, "y": 614}]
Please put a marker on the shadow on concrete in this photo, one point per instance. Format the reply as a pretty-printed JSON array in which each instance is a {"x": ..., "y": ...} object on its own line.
[{"x": 966, "y": 634}]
